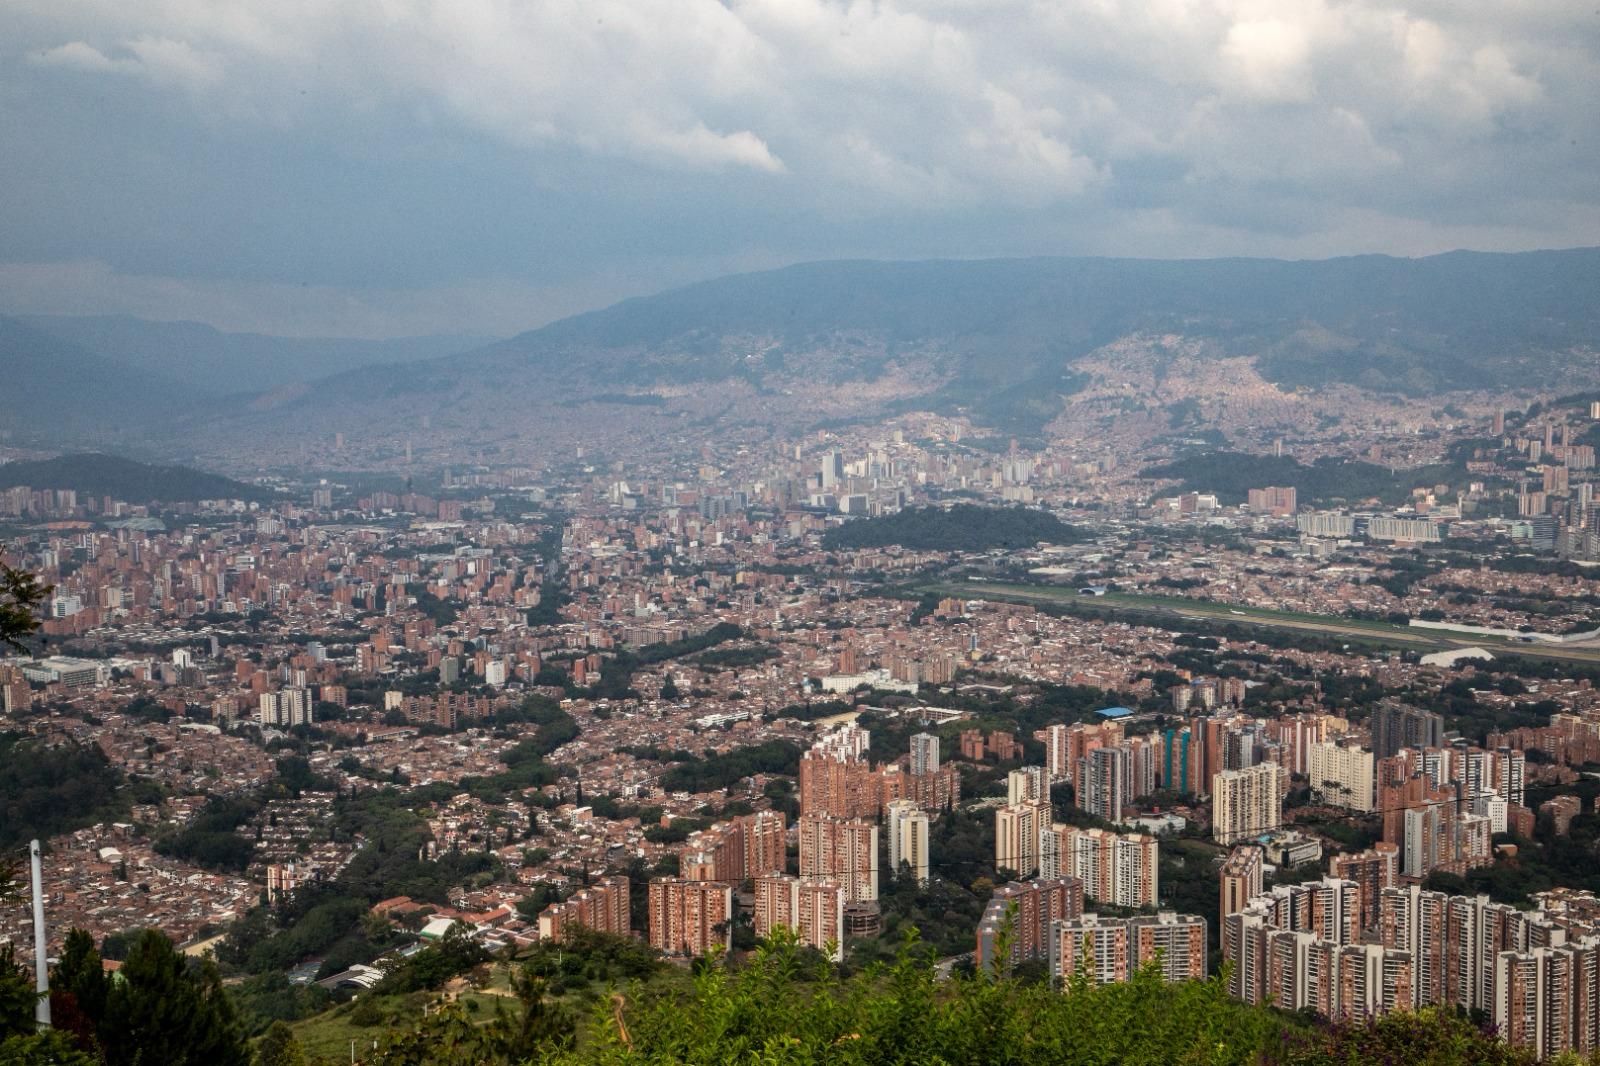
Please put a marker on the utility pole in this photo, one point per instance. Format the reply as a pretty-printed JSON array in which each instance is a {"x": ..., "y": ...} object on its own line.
[{"x": 41, "y": 961}]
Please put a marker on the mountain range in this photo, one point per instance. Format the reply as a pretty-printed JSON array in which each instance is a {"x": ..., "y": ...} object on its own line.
[
  {"x": 215, "y": 363},
  {"x": 1008, "y": 342},
  {"x": 115, "y": 377}
]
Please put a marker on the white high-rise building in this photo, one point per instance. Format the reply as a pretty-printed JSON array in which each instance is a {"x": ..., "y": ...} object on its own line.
[
  {"x": 1246, "y": 803},
  {"x": 832, "y": 470},
  {"x": 908, "y": 839},
  {"x": 1017, "y": 831},
  {"x": 286, "y": 708},
  {"x": 924, "y": 753},
  {"x": 1030, "y": 784},
  {"x": 1342, "y": 775}
]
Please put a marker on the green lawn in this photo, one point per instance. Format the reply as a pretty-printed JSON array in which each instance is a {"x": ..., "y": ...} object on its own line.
[{"x": 328, "y": 1035}]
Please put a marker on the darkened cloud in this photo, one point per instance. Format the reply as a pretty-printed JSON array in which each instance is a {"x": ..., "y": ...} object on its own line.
[{"x": 530, "y": 157}]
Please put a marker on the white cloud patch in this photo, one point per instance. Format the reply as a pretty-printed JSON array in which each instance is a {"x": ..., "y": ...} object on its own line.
[
  {"x": 986, "y": 100},
  {"x": 161, "y": 61},
  {"x": 1220, "y": 125}
]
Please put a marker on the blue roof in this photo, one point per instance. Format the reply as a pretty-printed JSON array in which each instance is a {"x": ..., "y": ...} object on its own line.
[{"x": 1114, "y": 712}]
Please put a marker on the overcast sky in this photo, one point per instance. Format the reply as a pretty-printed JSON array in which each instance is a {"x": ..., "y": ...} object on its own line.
[{"x": 387, "y": 167}]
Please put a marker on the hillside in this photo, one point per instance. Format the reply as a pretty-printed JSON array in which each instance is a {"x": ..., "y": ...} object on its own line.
[
  {"x": 1006, "y": 340},
  {"x": 58, "y": 390},
  {"x": 964, "y": 527},
  {"x": 1231, "y": 475},
  {"x": 215, "y": 363},
  {"x": 95, "y": 474}
]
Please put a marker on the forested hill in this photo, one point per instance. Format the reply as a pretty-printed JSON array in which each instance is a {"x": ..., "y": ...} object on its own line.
[
  {"x": 1231, "y": 475},
  {"x": 964, "y": 527},
  {"x": 98, "y": 474}
]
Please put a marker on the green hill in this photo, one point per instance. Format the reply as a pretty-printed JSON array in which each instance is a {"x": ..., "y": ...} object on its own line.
[
  {"x": 1231, "y": 475},
  {"x": 97, "y": 474},
  {"x": 965, "y": 527}
]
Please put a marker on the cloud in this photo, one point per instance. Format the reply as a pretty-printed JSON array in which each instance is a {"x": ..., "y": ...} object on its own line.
[
  {"x": 160, "y": 60},
  {"x": 989, "y": 97},
  {"x": 820, "y": 127}
]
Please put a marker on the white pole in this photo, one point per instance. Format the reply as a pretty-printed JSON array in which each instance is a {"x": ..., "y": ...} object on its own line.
[{"x": 41, "y": 961}]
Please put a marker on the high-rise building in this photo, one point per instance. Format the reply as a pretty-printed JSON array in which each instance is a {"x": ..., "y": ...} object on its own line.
[
  {"x": 603, "y": 907},
  {"x": 1100, "y": 947},
  {"x": 924, "y": 753},
  {"x": 1175, "y": 943},
  {"x": 1274, "y": 500},
  {"x": 1102, "y": 782},
  {"x": 1112, "y": 949},
  {"x": 1373, "y": 871},
  {"x": 1397, "y": 725},
  {"x": 1017, "y": 829},
  {"x": 844, "y": 849},
  {"x": 907, "y": 826},
  {"x": 1342, "y": 775},
  {"x": 811, "y": 906},
  {"x": 832, "y": 470},
  {"x": 777, "y": 903},
  {"x": 1028, "y": 784},
  {"x": 841, "y": 786},
  {"x": 286, "y": 708},
  {"x": 1241, "y": 878},
  {"x": 1027, "y": 910},
  {"x": 1118, "y": 869},
  {"x": 1246, "y": 803},
  {"x": 1066, "y": 745},
  {"x": 690, "y": 917},
  {"x": 765, "y": 843},
  {"x": 1297, "y": 944}
]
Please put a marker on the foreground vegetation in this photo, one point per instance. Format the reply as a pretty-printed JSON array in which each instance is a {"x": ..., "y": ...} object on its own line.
[
  {"x": 785, "y": 1005},
  {"x": 609, "y": 1001}
]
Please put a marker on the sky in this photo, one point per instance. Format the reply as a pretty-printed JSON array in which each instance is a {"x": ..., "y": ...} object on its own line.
[{"x": 383, "y": 168}]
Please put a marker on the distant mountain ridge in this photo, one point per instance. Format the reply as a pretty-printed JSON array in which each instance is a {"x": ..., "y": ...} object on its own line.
[
  {"x": 97, "y": 474},
  {"x": 217, "y": 363},
  {"x": 1001, "y": 337},
  {"x": 53, "y": 387}
]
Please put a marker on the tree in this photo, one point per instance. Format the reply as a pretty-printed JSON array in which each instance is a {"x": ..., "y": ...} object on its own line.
[
  {"x": 20, "y": 596},
  {"x": 161, "y": 1010},
  {"x": 49, "y": 1048},
  {"x": 279, "y": 1047},
  {"x": 78, "y": 989},
  {"x": 17, "y": 995}
]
